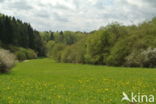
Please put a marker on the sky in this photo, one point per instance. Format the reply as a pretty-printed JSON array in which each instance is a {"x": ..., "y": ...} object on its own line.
[{"x": 78, "y": 15}]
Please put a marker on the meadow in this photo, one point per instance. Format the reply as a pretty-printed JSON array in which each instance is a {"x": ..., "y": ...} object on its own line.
[{"x": 44, "y": 81}]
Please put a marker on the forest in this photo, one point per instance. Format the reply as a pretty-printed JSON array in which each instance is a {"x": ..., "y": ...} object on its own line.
[{"x": 114, "y": 44}]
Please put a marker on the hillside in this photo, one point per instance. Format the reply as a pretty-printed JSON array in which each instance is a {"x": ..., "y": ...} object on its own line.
[{"x": 114, "y": 44}]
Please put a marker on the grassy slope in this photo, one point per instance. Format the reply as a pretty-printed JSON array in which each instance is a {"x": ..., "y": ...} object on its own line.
[{"x": 43, "y": 81}]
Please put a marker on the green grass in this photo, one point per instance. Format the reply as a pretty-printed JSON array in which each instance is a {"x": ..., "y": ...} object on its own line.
[{"x": 44, "y": 81}]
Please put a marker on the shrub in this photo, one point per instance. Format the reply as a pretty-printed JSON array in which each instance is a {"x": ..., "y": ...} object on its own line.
[
  {"x": 97, "y": 46},
  {"x": 118, "y": 53},
  {"x": 66, "y": 54},
  {"x": 23, "y": 54},
  {"x": 144, "y": 58},
  {"x": 73, "y": 53},
  {"x": 149, "y": 57},
  {"x": 56, "y": 51},
  {"x": 7, "y": 61},
  {"x": 135, "y": 59},
  {"x": 31, "y": 54},
  {"x": 50, "y": 44}
]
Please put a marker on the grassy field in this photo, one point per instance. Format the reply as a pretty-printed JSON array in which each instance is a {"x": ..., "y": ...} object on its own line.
[{"x": 44, "y": 81}]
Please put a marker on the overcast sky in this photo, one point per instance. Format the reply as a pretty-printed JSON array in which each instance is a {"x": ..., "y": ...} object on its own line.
[{"x": 78, "y": 15}]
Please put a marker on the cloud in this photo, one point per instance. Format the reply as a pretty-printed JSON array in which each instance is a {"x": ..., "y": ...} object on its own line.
[
  {"x": 78, "y": 15},
  {"x": 60, "y": 18},
  {"x": 1, "y": 1},
  {"x": 20, "y": 5}
]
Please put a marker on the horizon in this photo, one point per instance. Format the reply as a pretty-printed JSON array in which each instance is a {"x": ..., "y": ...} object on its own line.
[{"x": 77, "y": 15}]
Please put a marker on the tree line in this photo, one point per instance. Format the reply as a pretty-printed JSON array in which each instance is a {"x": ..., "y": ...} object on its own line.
[
  {"x": 20, "y": 37},
  {"x": 114, "y": 44}
]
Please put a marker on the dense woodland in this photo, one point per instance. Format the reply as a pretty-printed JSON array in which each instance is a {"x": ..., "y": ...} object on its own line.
[
  {"x": 20, "y": 38},
  {"x": 114, "y": 44}
]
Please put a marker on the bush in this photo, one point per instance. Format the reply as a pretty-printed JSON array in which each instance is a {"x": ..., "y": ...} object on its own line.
[
  {"x": 50, "y": 44},
  {"x": 97, "y": 46},
  {"x": 23, "y": 54},
  {"x": 31, "y": 54},
  {"x": 7, "y": 61},
  {"x": 149, "y": 57},
  {"x": 118, "y": 53},
  {"x": 74, "y": 53},
  {"x": 56, "y": 51},
  {"x": 135, "y": 59},
  {"x": 144, "y": 58}
]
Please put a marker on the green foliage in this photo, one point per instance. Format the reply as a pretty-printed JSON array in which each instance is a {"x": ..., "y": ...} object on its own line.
[
  {"x": 74, "y": 53},
  {"x": 135, "y": 59},
  {"x": 31, "y": 54},
  {"x": 7, "y": 61},
  {"x": 24, "y": 54},
  {"x": 114, "y": 44},
  {"x": 15, "y": 32},
  {"x": 56, "y": 51},
  {"x": 49, "y": 45},
  {"x": 118, "y": 53},
  {"x": 21, "y": 55},
  {"x": 59, "y": 44},
  {"x": 149, "y": 57},
  {"x": 97, "y": 46},
  {"x": 67, "y": 37}
]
